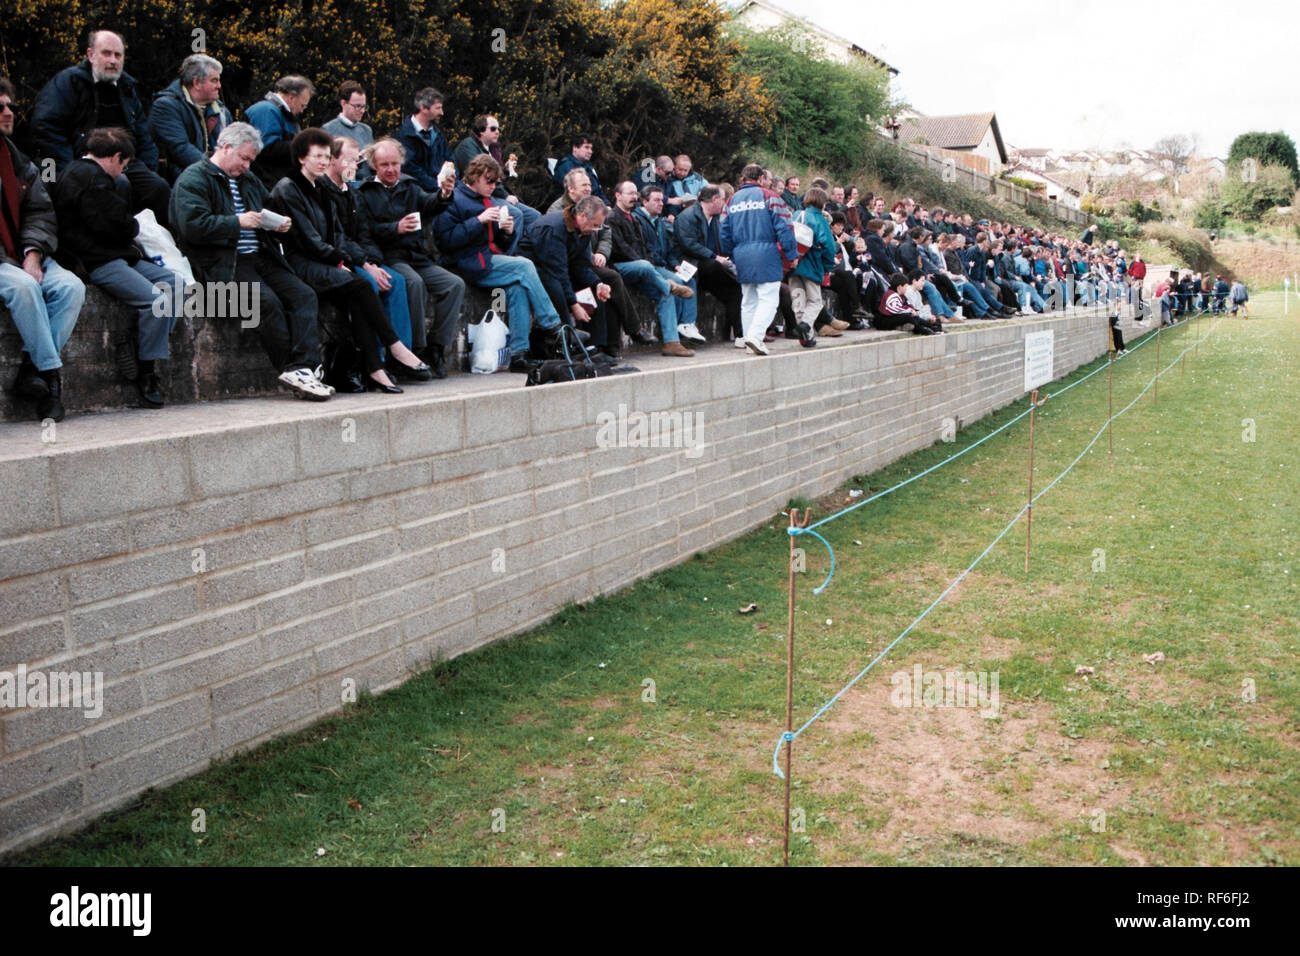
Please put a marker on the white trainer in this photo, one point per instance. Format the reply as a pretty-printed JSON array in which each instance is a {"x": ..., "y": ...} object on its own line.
[
  {"x": 319, "y": 372},
  {"x": 689, "y": 331},
  {"x": 303, "y": 383},
  {"x": 739, "y": 342},
  {"x": 756, "y": 346}
]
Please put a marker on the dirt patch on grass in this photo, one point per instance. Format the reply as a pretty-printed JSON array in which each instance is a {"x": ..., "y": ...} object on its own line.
[{"x": 931, "y": 772}]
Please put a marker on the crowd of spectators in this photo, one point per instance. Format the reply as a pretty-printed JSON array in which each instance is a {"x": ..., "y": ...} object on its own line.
[{"x": 389, "y": 229}]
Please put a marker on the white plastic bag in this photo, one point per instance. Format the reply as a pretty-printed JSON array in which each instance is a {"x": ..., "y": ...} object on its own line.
[
  {"x": 489, "y": 345},
  {"x": 160, "y": 247}
]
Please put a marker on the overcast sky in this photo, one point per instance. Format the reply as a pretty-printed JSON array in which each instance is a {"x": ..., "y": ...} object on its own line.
[{"x": 1066, "y": 76}]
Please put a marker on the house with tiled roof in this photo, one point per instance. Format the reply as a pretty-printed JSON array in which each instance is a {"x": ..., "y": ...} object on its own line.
[{"x": 975, "y": 133}]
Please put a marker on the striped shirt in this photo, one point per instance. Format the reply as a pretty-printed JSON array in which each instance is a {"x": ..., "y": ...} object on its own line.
[
  {"x": 895, "y": 305},
  {"x": 247, "y": 244}
]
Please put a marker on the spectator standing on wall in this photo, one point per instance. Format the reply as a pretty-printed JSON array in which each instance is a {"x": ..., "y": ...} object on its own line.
[{"x": 756, "y": 235}]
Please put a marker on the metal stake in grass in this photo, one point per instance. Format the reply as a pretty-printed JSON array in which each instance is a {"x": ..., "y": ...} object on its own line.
[
  {"x": 1110, "y": 399},
  {"x": 1034, "y": 405},
  {"x": 1156, "y": 390},
  {"x": 789, "y": 678}
]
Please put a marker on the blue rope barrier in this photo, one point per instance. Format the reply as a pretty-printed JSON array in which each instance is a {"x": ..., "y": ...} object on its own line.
[
  {"x": 951, "y": 458},
  {"x": 789, "y": 736}
]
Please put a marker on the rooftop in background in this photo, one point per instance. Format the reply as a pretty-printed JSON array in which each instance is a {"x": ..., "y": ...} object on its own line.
[
  {"x": 969, "y": 132},
  {"x": 764, "y": 15}
]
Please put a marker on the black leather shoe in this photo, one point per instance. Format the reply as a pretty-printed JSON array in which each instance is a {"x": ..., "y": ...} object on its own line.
[
  {"x": 640, "y": 338},
  {"x": 519, "y": 363},
  {"x": 611, "y": 354},
  {"x": 151, "y": 394},
  {"x": 374, "y": 386},
  {"x": 348, "y": 383},
  {"x": 29, "y": 383},
  {"x": 436, "y": 356},
  {"x": 52, "y": 405},
  {"x": 409, "y": 373}
]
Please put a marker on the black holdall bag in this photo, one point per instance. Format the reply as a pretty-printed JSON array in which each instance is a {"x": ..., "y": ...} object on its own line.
[{"x": 570, "y": 361}]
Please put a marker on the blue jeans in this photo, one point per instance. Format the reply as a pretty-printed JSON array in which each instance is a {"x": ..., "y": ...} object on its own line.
[
  {"x": 153, "y": 291},
  {"x": 642, "y": 274},
  {"x": 526, "y": 298},
  {"x": 687, "y": 309},
  {"x": 972, "y": 292},
  {"x": 44, "y": 314},
  {"x": 937, "y": 305},
  {"x": 395, "y": 304},
  {"x": 1027, "y": 294}
]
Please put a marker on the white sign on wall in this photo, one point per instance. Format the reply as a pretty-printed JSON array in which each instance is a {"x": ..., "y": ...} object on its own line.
[{"x": 1038, "y": 359}]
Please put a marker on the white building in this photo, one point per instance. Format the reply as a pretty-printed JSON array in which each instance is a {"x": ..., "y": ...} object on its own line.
[
  {"x": 762, "y": 15},
  {"x": 1053, "y": 188}
]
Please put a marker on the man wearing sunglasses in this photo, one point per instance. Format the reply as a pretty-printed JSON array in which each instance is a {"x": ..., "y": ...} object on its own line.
[{"x": 485, "y": 138}]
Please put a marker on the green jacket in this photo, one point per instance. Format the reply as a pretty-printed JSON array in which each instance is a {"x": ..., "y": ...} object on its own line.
[
  {"x": 202, "y": 214},
  {"x": 820, "y": 259}
]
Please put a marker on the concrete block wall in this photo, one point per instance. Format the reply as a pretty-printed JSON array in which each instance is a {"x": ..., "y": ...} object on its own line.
[{"x": 226, "y": 580}]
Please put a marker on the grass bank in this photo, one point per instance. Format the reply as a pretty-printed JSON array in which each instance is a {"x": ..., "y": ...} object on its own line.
[{"x": 640, "y": 728}]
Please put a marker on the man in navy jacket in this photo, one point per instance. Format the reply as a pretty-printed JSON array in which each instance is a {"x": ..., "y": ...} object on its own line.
[
  {"x": 425, "y": 145},
  {"x": 188, "y": 115},
  {"x": 97, "y": 93},
  {"x": 580, "y": 151},
  {"x": 757, "y": 235},
  {"x": 559, "y": 244},
  {"x": 276, "y": 119}
]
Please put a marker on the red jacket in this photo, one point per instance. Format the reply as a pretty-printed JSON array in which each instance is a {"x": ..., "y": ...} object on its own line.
[{"x": 1138, "y": 270}]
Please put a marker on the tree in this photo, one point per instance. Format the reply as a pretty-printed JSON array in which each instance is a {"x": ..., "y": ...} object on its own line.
[
  {"x": 1208, "y": 215},
  {"x": 1248, "y": 197},
  {"x": 1277, "y": 149},
  {"x": 674, "y": 82},
  {"x": 1177, "y": 149},
  {"x": 825, "y": 110},
  {"x": 641, "y": 76}
]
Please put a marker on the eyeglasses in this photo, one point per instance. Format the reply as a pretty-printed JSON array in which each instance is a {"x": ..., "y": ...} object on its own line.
[
  {"x": 494, "y": 129},
  {"x": 7, "y": 107}
]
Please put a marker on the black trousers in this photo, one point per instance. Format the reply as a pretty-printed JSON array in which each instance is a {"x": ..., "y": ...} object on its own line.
[
  {"x": 603, "y": 327},
  {"x": 367, "y": 317},
  {"x": 619, "y": 306},
  {"x": 845, "y": 286},
  {"x": 148, "y": 191},
  {"x": 287, "y": 312},
  {"x": 946, "y": 288},
  {"x": 717, "y": 280}
]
